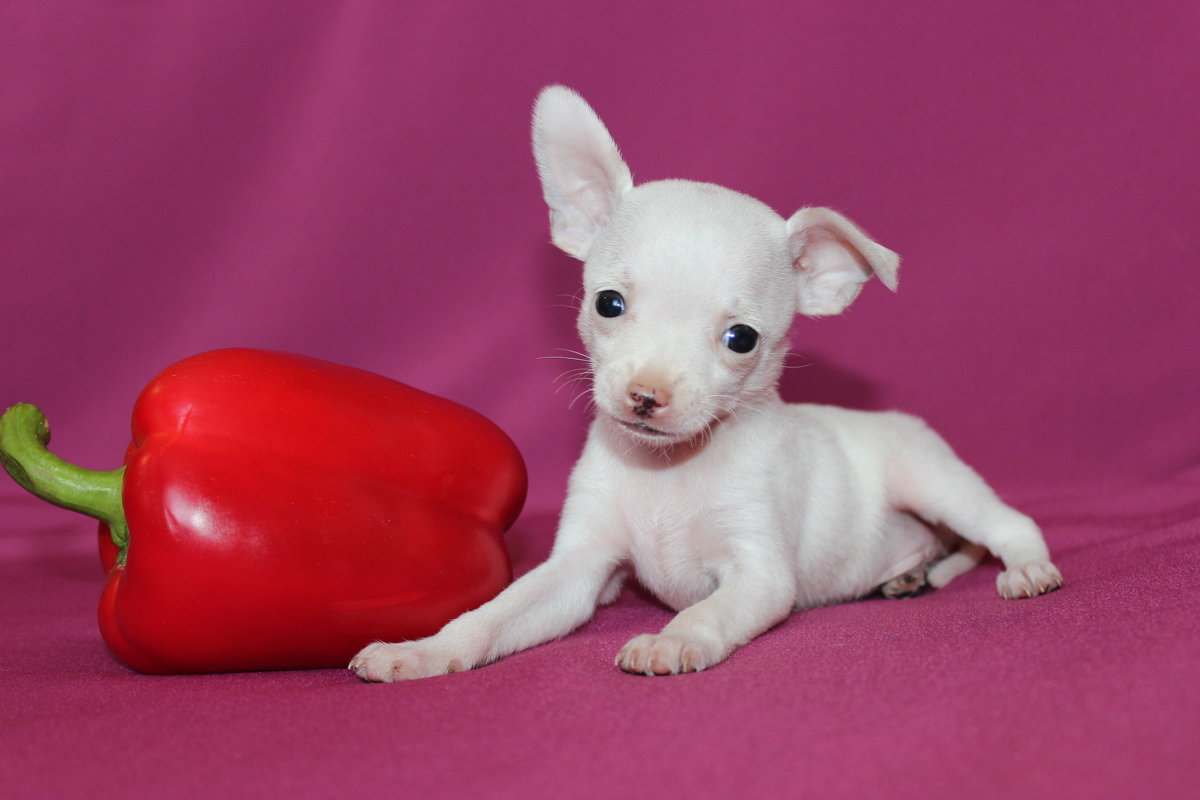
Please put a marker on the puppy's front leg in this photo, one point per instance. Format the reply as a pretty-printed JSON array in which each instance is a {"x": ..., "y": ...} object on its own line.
[
  {"x": 746, "y": 603},
  {"x": 549, "y": 601}
]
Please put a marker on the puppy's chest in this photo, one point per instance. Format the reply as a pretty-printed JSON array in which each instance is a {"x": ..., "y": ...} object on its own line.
[{"x": 677, "y": 542}]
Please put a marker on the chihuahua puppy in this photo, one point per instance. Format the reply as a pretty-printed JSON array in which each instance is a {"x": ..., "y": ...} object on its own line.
[{"x": 729, "y": 505}]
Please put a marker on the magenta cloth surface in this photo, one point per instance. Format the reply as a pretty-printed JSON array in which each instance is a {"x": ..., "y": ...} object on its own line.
[{"x": 353, "y": 181}]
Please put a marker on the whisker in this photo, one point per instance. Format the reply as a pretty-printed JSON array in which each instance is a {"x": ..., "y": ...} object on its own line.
[
  {"x": 573, "y": 301},
  {"x": 571, "y": 355},
  {"x": 800, "y": 361},
  {"x": 588, "y": 393},
  {"x": 574, "y": 374},
  {"x": 737, "y": 404},
  {"x": 570, "y": 382}
]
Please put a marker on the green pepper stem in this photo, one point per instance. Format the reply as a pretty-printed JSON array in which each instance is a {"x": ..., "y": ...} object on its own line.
[{"x": 24, "y": 434}]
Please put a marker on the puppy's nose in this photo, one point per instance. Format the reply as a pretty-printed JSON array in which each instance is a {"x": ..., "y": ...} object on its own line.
[{"x": 646, "y": 401}]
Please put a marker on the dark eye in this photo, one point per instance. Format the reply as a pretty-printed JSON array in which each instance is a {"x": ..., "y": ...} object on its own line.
[
  {"x": 740, "y": 338},
  {"x": 610, "y": 303}
]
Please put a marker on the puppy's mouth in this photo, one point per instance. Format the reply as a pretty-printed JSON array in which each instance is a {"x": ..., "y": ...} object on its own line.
[
  {"x": 644, "y": 429},
  {"x": 656, "y": 437}
]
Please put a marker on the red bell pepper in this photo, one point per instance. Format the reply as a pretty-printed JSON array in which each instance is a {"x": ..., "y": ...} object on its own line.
[{"x": 276, "y": 511}]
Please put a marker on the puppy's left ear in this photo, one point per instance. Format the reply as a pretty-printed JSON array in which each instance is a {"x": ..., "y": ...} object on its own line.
[
  {"x": 582, "y": 173},
  {"x": 833, "y": 259}
]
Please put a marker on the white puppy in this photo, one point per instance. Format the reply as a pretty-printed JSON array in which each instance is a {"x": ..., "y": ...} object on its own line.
[{"x": 731, "y": 506}]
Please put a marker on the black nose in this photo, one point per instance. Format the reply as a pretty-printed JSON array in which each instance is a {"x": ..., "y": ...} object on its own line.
[
  {"x": 643, "y": 404},
  {"x": 645, "y": 400}
]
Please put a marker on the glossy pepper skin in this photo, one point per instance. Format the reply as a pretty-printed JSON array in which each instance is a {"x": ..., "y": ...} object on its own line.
[{"x": 283, "y": 512}]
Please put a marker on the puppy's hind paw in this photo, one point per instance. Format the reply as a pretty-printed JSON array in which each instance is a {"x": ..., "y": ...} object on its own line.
[
  {"x": 386, "y": 663},
  {"x": 1028, "y": 580},
  {"x": 910, "y": 584}
]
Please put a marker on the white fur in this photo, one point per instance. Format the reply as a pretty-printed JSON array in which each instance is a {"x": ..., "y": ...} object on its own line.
[{"x": 728, "y": 504}]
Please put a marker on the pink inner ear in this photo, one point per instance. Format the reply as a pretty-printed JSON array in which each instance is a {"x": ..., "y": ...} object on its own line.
[
  {"x": 830, "y": 271},
  {"x": 584, "y": 196},
  {"x": 583, "y": 176},
  {"x": 833, "y": 258}
]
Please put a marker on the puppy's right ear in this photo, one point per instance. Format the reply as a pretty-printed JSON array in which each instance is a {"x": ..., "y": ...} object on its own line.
[{"x": 583, "y": 176}]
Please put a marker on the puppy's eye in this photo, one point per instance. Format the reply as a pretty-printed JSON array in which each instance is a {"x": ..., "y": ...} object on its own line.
[
  {"x": 610, "y": 303},
  {"x": 740, "y": 338}
]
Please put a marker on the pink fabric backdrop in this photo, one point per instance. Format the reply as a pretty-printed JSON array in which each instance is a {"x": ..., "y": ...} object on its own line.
[{"x": 353, "y": 181}]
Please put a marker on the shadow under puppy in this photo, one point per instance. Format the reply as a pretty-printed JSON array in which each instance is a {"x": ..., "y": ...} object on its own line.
[{"x": 729, "y": 505}]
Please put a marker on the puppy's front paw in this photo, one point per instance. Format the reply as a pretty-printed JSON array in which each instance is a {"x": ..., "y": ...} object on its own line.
[
  {"x": 663, "y": 654},
  {"x": 1028, "y": 580},
  {"x": 384, "y": 663}
]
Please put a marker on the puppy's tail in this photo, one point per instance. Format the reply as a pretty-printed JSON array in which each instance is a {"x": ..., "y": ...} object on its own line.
[{"x": 962, "y": 560}]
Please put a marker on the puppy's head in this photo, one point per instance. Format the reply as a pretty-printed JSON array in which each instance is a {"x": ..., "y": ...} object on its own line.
[{"x": 689, "y": 288}]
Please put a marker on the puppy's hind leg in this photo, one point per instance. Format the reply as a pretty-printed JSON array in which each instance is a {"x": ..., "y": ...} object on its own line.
[
  {"x": 934, "y": 574},
  {"x": 928, "y": 479},
  {"x": 961, "y": 561},
  {"x": 910, "y": 584}
]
